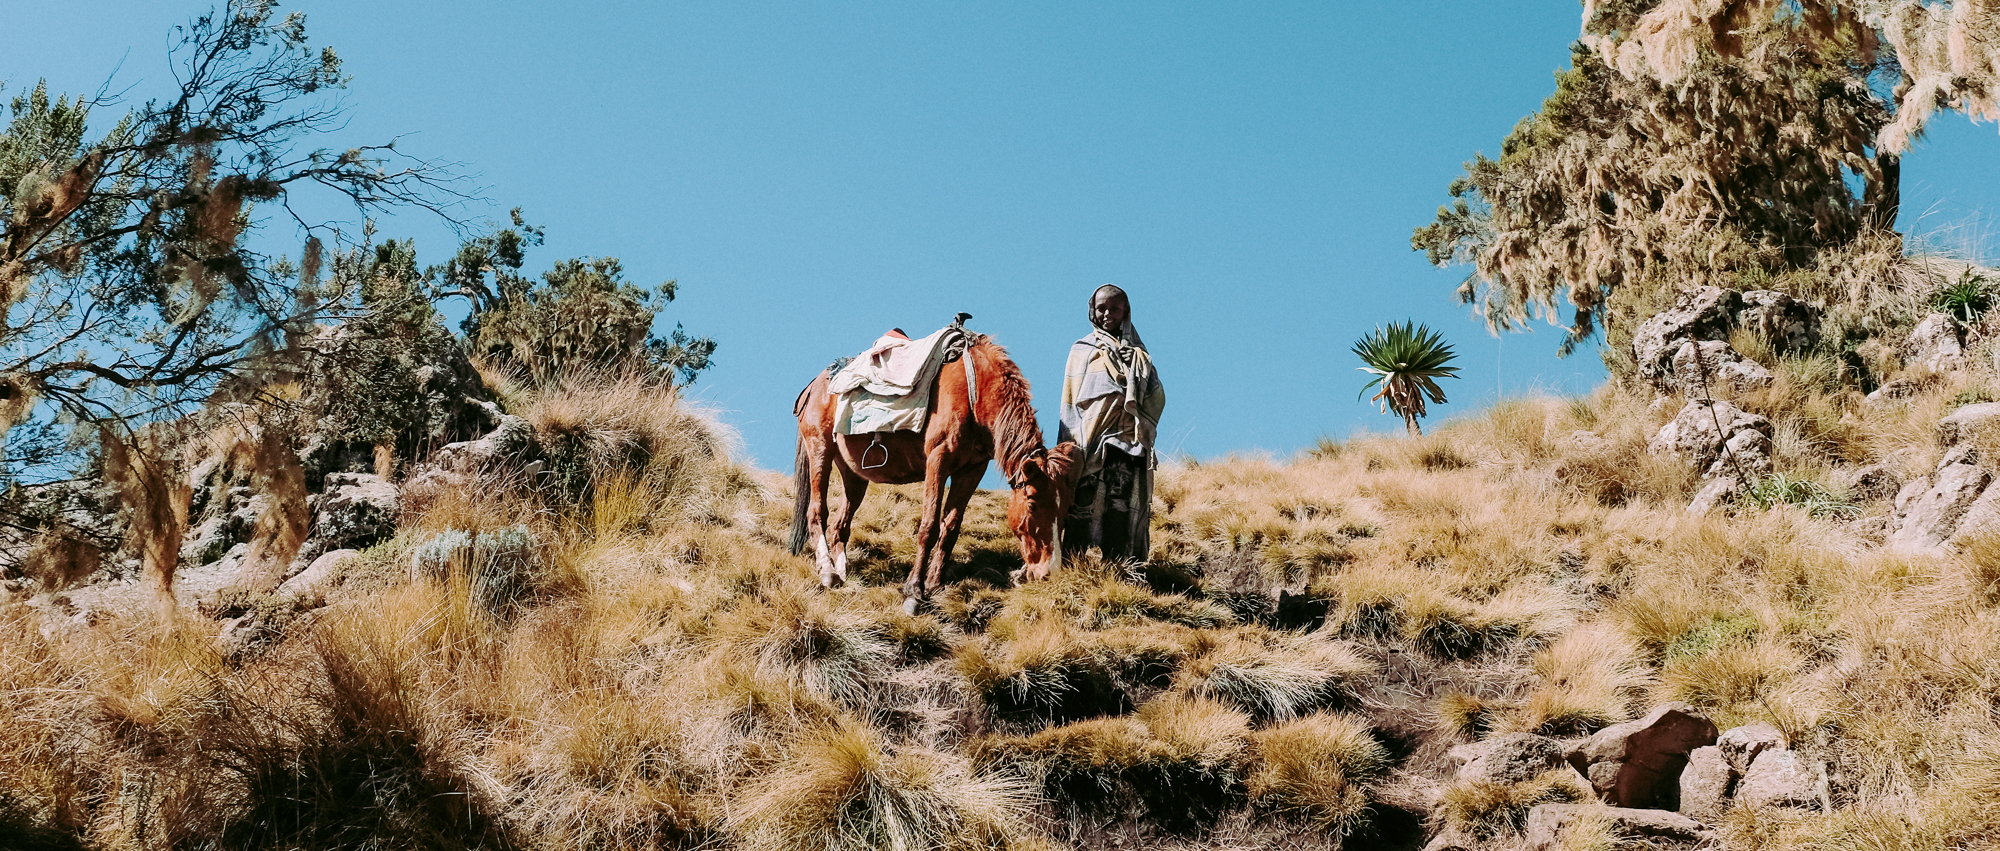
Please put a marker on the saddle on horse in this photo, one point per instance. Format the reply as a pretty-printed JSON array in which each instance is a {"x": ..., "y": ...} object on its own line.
[{"x": 888, "y": 387}]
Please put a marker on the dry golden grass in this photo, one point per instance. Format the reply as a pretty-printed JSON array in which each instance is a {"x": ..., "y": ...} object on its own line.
[{"x": 680, "y": 682}]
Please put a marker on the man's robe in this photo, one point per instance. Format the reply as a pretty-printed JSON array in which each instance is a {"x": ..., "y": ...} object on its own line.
[{"x": 1112, "y": 399}]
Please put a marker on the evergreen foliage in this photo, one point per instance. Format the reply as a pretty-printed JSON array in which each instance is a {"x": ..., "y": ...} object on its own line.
[{"x": 581, "y": 315}]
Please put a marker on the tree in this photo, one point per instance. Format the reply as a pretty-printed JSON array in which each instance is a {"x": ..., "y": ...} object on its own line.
[
  {"x": 1406, "y": 360},
  {"x": 581, "y": 315},
  {"x": 130, "y": 294},
  {"x": 1756, "y": 158},
  {"x": 1944, "y": 53},
  {"x": 130, "y": 291}
]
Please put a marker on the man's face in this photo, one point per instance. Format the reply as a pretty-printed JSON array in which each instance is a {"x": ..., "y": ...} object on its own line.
[{"x": 1108, "y": 311}]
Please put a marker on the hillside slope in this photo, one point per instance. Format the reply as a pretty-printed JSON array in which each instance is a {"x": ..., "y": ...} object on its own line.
[{"x": 649, "y": 668}]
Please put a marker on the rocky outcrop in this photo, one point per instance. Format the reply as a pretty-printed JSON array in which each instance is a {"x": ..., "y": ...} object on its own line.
[
  {"x": 1717, "y": 438},
  {"x": 1929, "y": 509},
  {"x": 1706, "y": 784},
  {"x": 320, "y": 577},
  {"x": 1638, "y": 763},
  {"x": 1967, "y": 422},
  {"x": 1937, "y": 344},
  {"x": 1741, "y": 745},
  {"x": 1713, "y": 364},
  {"x": 1666, "y": 346},
  {"x": 1788, "y": 323},
  {"x": 1547, "y": 825},
  {"x": 1702, "y": 314},
  {"x": 1874, "y": 482},
  {"x": 1779, "y": 778},
  {"x": 1508, "y": 758},
  {"x": 357, "y": 510}
]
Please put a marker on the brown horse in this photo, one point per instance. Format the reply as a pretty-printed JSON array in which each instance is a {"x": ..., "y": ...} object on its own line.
[{"x": 955, "y": 444}]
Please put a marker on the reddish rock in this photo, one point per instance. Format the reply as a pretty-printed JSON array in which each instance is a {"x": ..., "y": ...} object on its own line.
[{"x": 1638, "y": 763}]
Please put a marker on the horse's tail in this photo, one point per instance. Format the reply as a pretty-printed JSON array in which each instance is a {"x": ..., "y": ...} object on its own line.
[{"x": 801, "y": 482}]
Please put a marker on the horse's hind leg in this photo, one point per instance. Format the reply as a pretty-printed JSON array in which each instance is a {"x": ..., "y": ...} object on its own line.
[
  {"x": 853, "y": 489},
  {"x": 963, "y": 485}
]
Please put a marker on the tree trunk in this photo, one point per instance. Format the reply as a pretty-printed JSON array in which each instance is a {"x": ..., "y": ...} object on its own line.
[
  {"x": 1885, "y": 196},
  {"x": 1410, "y": 419}
]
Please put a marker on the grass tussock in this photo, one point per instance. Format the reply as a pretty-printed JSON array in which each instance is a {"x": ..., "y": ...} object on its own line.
[
  {"x": 1316, "y": 770},
  {"x": 1486, "y": 810},
  {"x": 843, "y": 790}
]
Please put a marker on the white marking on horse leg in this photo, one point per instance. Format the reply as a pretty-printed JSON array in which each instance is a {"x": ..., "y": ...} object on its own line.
[
  {"x": 909, "y": 605},
  {"x": 840, "y": 567},
  {"x": 821, "y": 559}
]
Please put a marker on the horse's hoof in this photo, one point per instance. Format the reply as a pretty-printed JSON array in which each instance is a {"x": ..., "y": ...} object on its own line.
[
  {"x": 1015, "y": 577},
  {"x": 910, "y": 606}
]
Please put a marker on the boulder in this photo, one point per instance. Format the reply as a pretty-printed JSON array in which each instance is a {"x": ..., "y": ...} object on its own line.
[
  {"x": 513, "y": 439},
  {"x": 357, "y": 510},
  {"x": 1929, "y": 509},
  {"x": 1703, "y": 430},
  {"x": 1961, "y": 425},
  {"x": 1702, "y": 314},
  {"x": 1741, "y": 745},
  {"x": 320, "y": 577},
  {"x": 1451, "y": 839},
  {"x": 1779, "y": 778},
  {"x": 1938, "y": 343},
  {"x": 1717, "y": 491},
  {"x": 1896, "y": 390},
  {"x": 1638, "y": 763},
  {"x": 1874, "y": 482},
  {"x": 1788, "y": 323},
  {"x": 1548, "y": 823},
  {"x": 1706, "y": 784},
  {"x": 1713, "y": 365},
  {"x": 1509, "y": 758}
]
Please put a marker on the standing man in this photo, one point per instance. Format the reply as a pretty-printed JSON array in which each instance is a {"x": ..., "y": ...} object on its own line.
[{"x": 1111, "y": 404}]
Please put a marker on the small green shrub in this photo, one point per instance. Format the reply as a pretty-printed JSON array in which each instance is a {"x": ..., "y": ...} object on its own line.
[
  {"x": 1783, "y": 489},
  {"x": 1966, "y": 299}
]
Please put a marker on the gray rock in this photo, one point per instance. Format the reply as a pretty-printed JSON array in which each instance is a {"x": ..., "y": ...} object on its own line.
[
  {"x": 1706, "y": 784},
  {"x": 1741, "y": 745},
  {"x": 357, "y": 510},
  {"x": 1717, "y": 491},
  {"x": 1928, "y": 510},
  {"x": 1547, "y": 824},
  {"x": 1788, "y": 323},
  {"x": 513, "y": 439},
  {"x": 1779, "y": 779},
  {"x": 1896, "y": 390},
  {"x": 1874, "y": 482},
  {"x": 1713, "y": 365},
  {"x": 1702, "y": 314},
  {"x": 1509, "y": 758},
  {"x": 321, "y": 576},
  {"x": 1962, "y": 424},
  {"x": 1702, "y": 430},
  {"x": 1638, "y": 763},
  {"x": 1938, "y": 343}
]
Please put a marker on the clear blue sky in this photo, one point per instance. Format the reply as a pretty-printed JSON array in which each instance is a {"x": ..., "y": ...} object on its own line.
[{"x": 816, "y": 173}]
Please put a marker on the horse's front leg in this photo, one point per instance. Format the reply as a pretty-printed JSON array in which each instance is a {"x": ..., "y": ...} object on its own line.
[
  {"x": 853, "y": 489},
  {"x": 927, "y": 531},
  {"x": 822, "y": 459},
  {"x": 963, "y": 484}
]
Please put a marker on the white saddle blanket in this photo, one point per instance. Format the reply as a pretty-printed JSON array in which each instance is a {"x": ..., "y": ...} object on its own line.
[{"x": 888, "y": 387}]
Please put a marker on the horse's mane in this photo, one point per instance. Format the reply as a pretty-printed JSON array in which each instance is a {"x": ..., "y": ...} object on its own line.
[{"x": 1004, "y": 390}]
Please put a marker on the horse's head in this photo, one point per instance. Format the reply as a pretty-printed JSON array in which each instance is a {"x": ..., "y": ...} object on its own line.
[{"x": 1043, "y": 486}]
